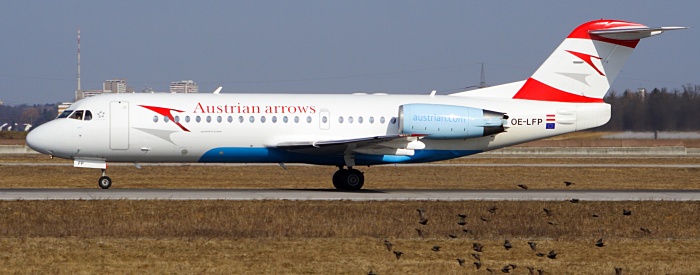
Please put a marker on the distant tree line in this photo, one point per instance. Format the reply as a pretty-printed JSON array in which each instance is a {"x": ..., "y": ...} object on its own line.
[
  {"x": 26, "y": 114},
  {"x": 655, "y": 110},
  {"x": 658, "y": 110}
]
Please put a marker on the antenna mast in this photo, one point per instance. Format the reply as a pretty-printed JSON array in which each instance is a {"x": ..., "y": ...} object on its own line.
[
  {"x": 482, "y": 84},
  {"x": 79, "y": 59}
]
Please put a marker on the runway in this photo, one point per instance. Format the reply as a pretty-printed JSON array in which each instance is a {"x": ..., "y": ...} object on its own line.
[{"x": 335, "y": 195}]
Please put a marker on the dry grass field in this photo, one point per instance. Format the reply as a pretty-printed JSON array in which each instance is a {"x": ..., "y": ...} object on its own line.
[
  {"x": 343, "y": 237},
  {"x": 235, "y": 237}
]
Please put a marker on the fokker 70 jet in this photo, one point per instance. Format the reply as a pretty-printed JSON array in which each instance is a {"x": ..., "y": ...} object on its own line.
[{"x": 564, "y": 95}]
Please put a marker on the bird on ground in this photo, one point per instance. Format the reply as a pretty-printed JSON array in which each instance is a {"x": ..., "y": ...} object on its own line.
[
  {"x": 531, "y": 270},
  {"x": 371, "y": 272},
  {"x": 574, "y": 200},
  {"x": 493, "y": 209},
  {"x": 490, "y": 270},
  {"x": 618, "y": 271},
  {"x": 421, "y": 216},
  {"x": 626, "y": 212},
  {"x": 645, "y": 230},
  {"x": 539, "y": 254},
  {"x": 552, "y": 223},
  {"x": 547, "y": 211},
  {"x": 420, "y": 232},
  {"x": 388, "y": 245},
  {"x": 507, "y": 245},
  {"x": 476, "y": 256},
  {"x": 478, "y": 265},
  {"x": 398, "y": 254},
  {"x": 506, "y": 269},
  {"x": 436, "y": 248},
  {"x": 568, "y": 183},
  {"x": 523, "y": 186},
  {"x": 532, "y": 245},
  {"x": 461, "y": 262},
  {"x": 595, "y": 215},
  {"x": 469, "y": 231},
  {"x": 462, "y": 221},
  {"x": 540, "y": 271},
  {"x": 600, "y": 243},
  {"x": 478, "y": 247},
  {"x": 552, "y": 255},
  {"x": 463, "y": 216},
  {"x": 485, "y": 219},
  {"x": 452, "y": 236}
]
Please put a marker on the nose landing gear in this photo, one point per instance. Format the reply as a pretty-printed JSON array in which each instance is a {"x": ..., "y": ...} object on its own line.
[{"x": 105, "y": 182}]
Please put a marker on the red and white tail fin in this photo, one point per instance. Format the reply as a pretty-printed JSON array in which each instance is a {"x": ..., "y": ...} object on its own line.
[{"x": 582, "y": 68}]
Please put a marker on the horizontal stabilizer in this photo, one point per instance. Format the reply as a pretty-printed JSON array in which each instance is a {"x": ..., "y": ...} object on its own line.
[{"x": 632, "y": 33}]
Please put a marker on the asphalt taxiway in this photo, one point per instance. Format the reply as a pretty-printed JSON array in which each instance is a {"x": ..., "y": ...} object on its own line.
[{"x": 333, "y": 195}]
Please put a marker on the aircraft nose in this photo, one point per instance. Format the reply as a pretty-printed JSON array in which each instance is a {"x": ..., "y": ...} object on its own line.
[{"x": 39, "y": 139}]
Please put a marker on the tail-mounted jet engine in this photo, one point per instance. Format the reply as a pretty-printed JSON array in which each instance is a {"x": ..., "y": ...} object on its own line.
[{"x": 439, "y": 121}]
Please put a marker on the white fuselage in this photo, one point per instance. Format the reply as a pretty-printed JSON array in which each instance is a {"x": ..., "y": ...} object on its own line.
[{"x": 247, "y": 127}]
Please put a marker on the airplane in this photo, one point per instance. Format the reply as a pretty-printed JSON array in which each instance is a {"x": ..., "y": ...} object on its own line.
[{"x": 565, "y": 94}]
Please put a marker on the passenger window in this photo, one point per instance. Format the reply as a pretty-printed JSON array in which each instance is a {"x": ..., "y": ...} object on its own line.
[
  {"x": 219, "y": 119},
  {"x": 296, "y": 119},
  {"x": 350, "y": 120},
  {"x": 88, "y": 115},
  {"x": 65, "y": 114},
  {"x": 340, "y": 119},
  {"x": 324, "y": 119},
  {"x": 371, "y": 120},
  {"x": 230, "y": 119},
  {"x": 187, "y": 119},
  {"x": 285, "y": 119},
  {"x": 382, "y": 120},
  {"x": 262, "y": 119},
  {"x": 240, "y": 119},
  {"x": 274, "y": 119},
  {"x": 198, "y": 119},
  {"x": 166, "y": 119},
  {"x": 177, "y": 119},
  {"x": 77, "y": 115},
  {"x": 208, "y": 119},
  {"x": 393, "y": 120},
  {"x": 308, "y": 119},
  {"x": 359, "y": 120},
  {"x": 155, "y": 118},
  {"x": 251, "y": 119}
]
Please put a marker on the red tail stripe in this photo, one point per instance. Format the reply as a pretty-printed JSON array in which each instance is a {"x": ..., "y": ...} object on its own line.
[
  {"x": 535, "y": 90},
  {"x": 604, "y": 24}
]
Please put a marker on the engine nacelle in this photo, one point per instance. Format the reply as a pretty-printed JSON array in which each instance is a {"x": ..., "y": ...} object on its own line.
[{"x": 439, "y": 121}]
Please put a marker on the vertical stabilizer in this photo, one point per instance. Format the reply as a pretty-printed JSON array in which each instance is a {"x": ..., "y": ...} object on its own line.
[{"x": 584, "y": 66}]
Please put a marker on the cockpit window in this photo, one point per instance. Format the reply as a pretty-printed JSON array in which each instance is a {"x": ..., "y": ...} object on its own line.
[
  {"x": 65, "y": 114},
  {"x": 88, "y": 115},
  {"x": 77, "y": 115}
]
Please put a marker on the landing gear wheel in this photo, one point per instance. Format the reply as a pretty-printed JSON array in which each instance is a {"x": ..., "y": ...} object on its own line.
[
  {"x": 105, "y": 182},
  {"x": 351, "y": 179}
]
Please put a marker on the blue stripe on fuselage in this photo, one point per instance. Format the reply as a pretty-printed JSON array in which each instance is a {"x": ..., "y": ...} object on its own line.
[{"x": 274, "y": 155}]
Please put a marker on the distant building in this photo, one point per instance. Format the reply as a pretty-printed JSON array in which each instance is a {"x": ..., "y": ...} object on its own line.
[
  {"x": 63, "y": 106},
  {"x": 114, "y": 86},
  {"x": 110, "y": 86},
  {"x": 184, "y": 87}
]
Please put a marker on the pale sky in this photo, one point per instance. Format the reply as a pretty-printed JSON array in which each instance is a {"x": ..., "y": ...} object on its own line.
[{"x": 397, "y": 47}]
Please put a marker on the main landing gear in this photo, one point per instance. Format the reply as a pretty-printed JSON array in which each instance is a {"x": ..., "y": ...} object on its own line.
[
  {"x": 348, "y": 179},
  {"x": 105, "y": 182}
]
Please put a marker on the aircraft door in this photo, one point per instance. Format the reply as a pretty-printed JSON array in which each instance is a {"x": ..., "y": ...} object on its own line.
[
  {"x": 324, "y": 120},
  {"x": 119, "y": 125}
]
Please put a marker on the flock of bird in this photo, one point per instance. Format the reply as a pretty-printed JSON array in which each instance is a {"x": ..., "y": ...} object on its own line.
[{"x": 507, "y": 245}]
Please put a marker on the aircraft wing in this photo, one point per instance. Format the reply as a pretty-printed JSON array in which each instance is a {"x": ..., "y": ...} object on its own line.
[{"x": 377, "y": 145}]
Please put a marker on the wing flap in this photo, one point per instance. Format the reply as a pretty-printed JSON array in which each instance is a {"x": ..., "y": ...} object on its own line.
[{"x": 350, "y": 146}]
